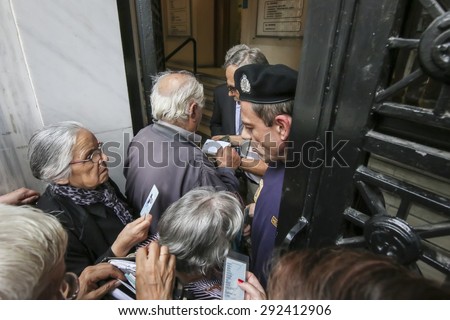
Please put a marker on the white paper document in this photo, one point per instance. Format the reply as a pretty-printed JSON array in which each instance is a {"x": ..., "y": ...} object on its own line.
[
  {"x": 151, "y": 198},
  {"x": 210, "y": 147}
]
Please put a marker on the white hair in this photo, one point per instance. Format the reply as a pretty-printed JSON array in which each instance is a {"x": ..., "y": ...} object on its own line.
[
  {"x": 32, "y": 243},
  {"x": 50, "y": 150},
  {"x": 172, "y": 104}
]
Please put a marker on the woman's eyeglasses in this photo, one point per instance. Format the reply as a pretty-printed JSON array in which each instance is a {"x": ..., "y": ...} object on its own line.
[{"x": 94, "y": 157}]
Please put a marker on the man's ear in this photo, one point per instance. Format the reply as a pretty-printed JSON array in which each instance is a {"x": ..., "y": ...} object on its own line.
[
  {"x": 193, "y": 109},
  {"x": 283, "y": 124}
]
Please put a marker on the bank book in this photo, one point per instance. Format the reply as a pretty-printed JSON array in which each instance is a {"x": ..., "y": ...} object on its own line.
[
  {"x": 210, "y": 147},
  {"x": 127, "y": 289}
]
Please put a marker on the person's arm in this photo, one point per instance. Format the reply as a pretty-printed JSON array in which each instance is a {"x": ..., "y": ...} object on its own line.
[
  {"x": 20, "y": 197},
  {"x": 235, "y": 140},
  {"x": 227, "y": 158},
  {"x": 254, "y": 166},
  {"x": 132, "y": 234},
  {"x": 92, "y": 275},
  {"x": 155, "y": 272}
]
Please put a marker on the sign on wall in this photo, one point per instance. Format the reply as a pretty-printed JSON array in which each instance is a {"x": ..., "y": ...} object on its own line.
[
  {"x": 179, "y": 17},
  {"x": 279, "y": 18}
]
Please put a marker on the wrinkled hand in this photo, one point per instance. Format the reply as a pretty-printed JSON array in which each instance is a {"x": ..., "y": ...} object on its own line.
[
  {"x": 20, "y": 197},
  {"x": 131, "y": 235},
  {"x": 89, "y": 288},
  {"x": 228, "y": 158},
  {"x": 253, "y": 289},
  {"x": 155, "y": 272}
]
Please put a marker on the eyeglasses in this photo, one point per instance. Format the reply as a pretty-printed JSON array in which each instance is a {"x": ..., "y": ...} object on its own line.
[
  {"x": 70, "y": 286},
  {"x": 94, "y": 157},
  {"x": 231, "y": 89}
]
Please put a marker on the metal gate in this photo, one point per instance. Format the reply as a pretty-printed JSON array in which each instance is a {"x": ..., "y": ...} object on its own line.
[{"x": 374, "y": 85}]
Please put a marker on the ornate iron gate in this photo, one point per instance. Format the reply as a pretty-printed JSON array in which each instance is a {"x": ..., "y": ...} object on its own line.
[{"x": 374, "y": 84}]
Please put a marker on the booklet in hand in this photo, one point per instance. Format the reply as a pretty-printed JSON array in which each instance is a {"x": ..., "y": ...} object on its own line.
[
  {"x": 210, "y": 147},
  {"x": 235, "y": 267}
]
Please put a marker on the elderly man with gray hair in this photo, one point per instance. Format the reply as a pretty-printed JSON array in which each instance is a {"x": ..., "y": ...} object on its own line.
[
  {"x": 226, "y": 120},
  {"x": 167, "y": 153}
]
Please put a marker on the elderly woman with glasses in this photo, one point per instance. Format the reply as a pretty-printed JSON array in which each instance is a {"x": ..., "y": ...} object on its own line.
[{"x": 82, "y": 196}]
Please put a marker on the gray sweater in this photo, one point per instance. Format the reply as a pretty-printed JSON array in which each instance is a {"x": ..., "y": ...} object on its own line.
[{"x": 168, "y": 156}]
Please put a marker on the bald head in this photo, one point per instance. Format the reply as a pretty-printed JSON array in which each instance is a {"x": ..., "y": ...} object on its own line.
[
  {"x": 173, "y": 93},
  {"x": 169, "y": 83}
]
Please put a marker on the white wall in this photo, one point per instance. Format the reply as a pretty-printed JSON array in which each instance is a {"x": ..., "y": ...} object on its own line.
[
  {"x": 61, "y": 60},
  {"x": 202, "y": 29}
]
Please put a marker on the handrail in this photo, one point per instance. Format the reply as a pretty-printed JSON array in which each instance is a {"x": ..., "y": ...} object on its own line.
[{"x": 185, "y": 42}]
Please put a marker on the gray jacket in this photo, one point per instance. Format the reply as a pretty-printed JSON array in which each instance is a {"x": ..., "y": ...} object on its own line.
[{"x": 167, "y": 156}]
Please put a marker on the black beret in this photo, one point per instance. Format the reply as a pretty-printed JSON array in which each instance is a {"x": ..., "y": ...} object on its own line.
[{"x": 265, "y": 84}]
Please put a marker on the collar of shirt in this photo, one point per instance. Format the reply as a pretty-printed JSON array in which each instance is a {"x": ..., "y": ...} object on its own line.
[
  {"x": 238, "y": 122},
  {"x": 190, "y": 136}
]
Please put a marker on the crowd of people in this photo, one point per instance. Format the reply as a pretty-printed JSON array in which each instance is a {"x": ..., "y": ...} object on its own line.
[{"x": 56, "y": 248}]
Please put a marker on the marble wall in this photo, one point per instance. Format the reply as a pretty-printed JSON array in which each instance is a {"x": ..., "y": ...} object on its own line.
[{"x": 60, "y": 60}]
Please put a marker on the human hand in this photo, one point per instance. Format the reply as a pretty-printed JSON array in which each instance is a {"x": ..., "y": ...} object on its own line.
[
  {"x": 91, "y": 275},
  {"x": 219, "y": 137},
  {"x": 155, "y": 272},
  {"x": 228, "y": 158},
  {"x": 20, "y": 197},
  {"x": 235, "y": 140},
  {"x": 132, "y": 234},
  {"x": 253, "y": 289},
  {"x": 251, "y": 209}
]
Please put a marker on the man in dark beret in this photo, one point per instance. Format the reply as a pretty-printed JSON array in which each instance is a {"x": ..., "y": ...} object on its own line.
[{"x": 267, "y": 95}]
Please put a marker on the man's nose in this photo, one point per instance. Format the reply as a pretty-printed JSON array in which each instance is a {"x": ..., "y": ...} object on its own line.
[{"x": 245, "y": 134}]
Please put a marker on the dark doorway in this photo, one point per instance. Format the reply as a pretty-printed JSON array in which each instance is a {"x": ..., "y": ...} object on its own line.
[{"x": 227, "y": 26}]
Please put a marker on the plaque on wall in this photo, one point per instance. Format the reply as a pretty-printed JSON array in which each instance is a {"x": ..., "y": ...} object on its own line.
[
  {"x": 179, "y": 17},
  {"x": 280, "y": 18}
]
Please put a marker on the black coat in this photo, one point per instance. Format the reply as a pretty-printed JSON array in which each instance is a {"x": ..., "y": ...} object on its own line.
[
  {"x": 223, "y": 119},
  {"x": 92, "y": 229}
]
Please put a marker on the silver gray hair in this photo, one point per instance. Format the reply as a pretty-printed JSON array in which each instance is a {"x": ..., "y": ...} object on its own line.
[
  {"x": 241, "y": 55},
  {"x": 50, "y": 150},
  {"x": 32, "y": 243},
  {"x": 172, "y": 103},
  {"x": 200, "y": 227}
]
